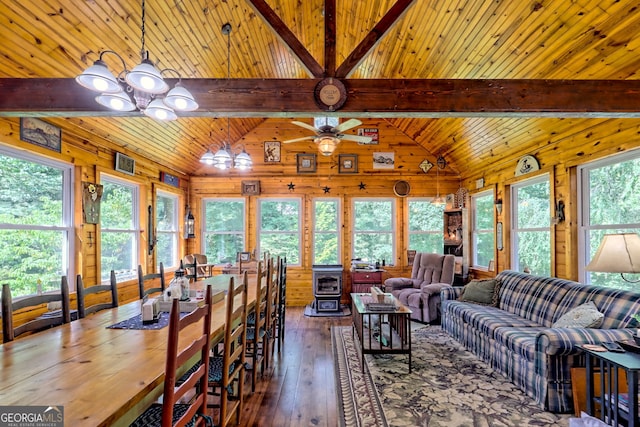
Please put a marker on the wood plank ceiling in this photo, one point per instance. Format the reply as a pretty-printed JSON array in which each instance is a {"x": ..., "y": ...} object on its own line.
[{"x": 439, "y": 55}]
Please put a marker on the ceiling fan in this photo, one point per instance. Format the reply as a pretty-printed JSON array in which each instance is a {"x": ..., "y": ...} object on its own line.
[{"x": 328, "y": 137}]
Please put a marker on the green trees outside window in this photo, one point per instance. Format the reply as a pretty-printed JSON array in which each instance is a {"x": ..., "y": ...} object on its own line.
[
  {"x": 483, "y": 228},
  {"x": 224, "y": 229},
  {"x": 279, "y": 228},
  {"x": 326, "y": 232},
  {"x": 425, "y": 226},
  {"x": 374, "y": 229},
  {"x": 167, "y": 228},
  {"x": 35, "y": 223},
  {"x": 119, "y": 229}
]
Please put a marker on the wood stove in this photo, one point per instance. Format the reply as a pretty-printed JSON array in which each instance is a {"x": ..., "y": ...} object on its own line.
[{"x": 327, "y": 287}]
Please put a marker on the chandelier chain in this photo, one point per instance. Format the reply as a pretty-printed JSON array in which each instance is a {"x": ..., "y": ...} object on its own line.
[{"x": 142, "y": 50}]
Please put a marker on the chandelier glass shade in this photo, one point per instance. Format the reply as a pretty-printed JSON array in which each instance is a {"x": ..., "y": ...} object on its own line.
[{"x": 144, "y": 81}]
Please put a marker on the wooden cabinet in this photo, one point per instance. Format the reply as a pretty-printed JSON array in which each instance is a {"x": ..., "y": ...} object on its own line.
[
  {"x": 363, "y": 280},
  {"x": 456, "y": 241}
]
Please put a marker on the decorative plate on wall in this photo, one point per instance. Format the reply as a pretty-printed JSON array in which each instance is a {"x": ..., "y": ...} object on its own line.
[{"x": 401, "y": 188}]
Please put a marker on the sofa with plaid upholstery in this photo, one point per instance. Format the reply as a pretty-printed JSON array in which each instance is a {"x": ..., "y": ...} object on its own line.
[{"x": 516, "y": 336}]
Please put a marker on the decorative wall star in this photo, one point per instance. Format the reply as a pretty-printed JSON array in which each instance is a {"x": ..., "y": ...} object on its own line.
[
  {"x": 291, "y": 186},
  {"x": 326, "y": 189},
  {"x": 362, "y": 185}
]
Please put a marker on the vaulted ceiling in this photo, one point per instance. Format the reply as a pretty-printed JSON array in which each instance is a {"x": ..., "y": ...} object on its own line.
[{"x": 461, "y": 78}]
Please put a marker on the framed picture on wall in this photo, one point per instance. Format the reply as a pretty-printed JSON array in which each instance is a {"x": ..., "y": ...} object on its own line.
[
  {"x": 39, "y": 132},
  {"x": 125, "y": 164},
  {"x": 348, "y": 163},
  {"x": 250, "y": 188},
  {"x": 272, "y": 151},
  {"x": 306, "y": 163}
]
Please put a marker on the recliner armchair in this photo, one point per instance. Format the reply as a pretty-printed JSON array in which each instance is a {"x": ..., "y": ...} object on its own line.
[{"x": 421, "y": 292}]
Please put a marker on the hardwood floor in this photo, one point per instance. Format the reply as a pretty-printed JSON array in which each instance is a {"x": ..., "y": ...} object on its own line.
[{"x": 299, "y": 389}]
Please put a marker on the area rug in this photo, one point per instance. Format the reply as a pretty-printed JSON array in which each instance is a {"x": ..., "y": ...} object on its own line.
[
  {"x": 310, "y": 311},
  {"x": 448, "y": 386}
]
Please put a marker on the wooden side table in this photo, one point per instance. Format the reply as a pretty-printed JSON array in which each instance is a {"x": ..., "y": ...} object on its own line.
[
  {"x": 363, "y": 280},
  {"x": 612, "y": 407}
]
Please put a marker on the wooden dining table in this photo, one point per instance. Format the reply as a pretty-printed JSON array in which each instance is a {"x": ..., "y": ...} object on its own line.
[{"x": 101, "y": 376}]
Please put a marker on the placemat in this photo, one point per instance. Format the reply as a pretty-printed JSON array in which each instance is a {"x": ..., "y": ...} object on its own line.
[{"x": 136, "y": 322}]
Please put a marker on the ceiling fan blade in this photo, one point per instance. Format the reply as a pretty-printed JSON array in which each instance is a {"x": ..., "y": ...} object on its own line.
[
  {"x": 358, "y": 138},
  {"x": 306, "y": 126},
  {"x": 305, "y": 138},
  {"x": 351, "y": 123}
]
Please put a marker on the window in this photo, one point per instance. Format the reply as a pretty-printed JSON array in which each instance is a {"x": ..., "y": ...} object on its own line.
[
  {"x": 531, "y": 226},
  {"x": 326, "y": 231},
  {"x": 425, "y": 226},
  {"x": 279, "y": 228},
  {"x": 224, "y": 229},
  {"x": 374, "y": 229},
  {"x": 608, "y": 203},
  {"x": 119, "y": 229},
  {"x": 36, "y": 222},
  {"x": 167, "y": 229},
  {"x": 482, "y": 228}
]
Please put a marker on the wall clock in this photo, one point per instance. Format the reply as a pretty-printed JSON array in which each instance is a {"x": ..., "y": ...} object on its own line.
[{"x": 330, "y": 94}]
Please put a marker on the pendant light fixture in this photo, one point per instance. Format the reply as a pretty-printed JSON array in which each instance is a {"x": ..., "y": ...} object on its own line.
[
  {"x": 225, "y": 158},
  {"x": 144, "y": 81}
]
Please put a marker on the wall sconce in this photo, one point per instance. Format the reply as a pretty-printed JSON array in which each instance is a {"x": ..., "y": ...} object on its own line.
[
  {"x": 189, "y": 225},
  {"x": 559, "y": 212},
  {"x": 498, "y": 204}
]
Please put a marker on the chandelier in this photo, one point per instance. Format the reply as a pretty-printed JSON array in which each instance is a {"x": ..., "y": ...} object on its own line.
[
  {"x": 225, "y": 158},
  {"x": 145, "y": 82},
  {"x": 441, "y": 163}
]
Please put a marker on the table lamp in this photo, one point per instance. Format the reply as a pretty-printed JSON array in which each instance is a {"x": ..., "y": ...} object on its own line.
[{"x": 617, "y": 253}]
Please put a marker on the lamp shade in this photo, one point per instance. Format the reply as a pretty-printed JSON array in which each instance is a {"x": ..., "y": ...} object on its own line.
[
  {"x": 222, "y": 159},
  {"x": 98, "y": 78},
  {"x": 208, "y": 158},
  {"x": 242, "y": 161},
  {"x": 180, "y": 99},
  {"x": 119, "y": 101},
  {"x": 147, "y": 78},
  {"x": 160, "y": 111},
  {"x": 327, "y": 145},
  {"x": 617, "y": 253}
]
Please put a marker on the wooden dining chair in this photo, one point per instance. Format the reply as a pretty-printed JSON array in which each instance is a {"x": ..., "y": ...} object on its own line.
[
  {"x": 256, "y": 329},
  {"x": 191, "y": 392},
  {"x": 190, "y": 266},
  {"x": 272, "y": 310},
  {"x": 282, "y": 302},
  {"x": 45, "y": 320},
  {"x": 226, "y": 374},
  {"x": 82, "y": 293},
  {"x": 153, "y": 278}
]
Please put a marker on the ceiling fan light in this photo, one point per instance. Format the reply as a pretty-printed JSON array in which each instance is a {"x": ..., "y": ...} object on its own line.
[
  {"x": 327, "y": 145},
  {"x": 98, "y": 78},
  {"x": 179, "y": 98},
  {"x": 146, "y": 77},
  {"x": 160, "y": 111},
  {"x": 116, "y": 101}
]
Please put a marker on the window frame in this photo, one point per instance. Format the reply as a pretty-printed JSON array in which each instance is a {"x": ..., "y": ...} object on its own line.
[
  {"x": 135, "y": 231},
  {"x": 259, "y": 231},
  {"x": 175, "y": 232},
  {"x": 393, "y": 232},
  {"x": 475, "y": 231},
  {"x": 67, "y": 227},
  {"x": 337, "y": 232},
  {"x": 584, "y": 210},
  {"x": 515, "y": 230},
  {"x": 438, "y": 231},
  {"x": 204, "y": 232}
]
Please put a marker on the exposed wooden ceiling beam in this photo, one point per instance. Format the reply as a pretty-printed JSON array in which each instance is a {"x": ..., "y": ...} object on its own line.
[
  {"x": 286, "y": 36},
  {"x": 330, "y": 38},
  {"x": 366, "y": 98},
  {"x": 372, "y": 38}
]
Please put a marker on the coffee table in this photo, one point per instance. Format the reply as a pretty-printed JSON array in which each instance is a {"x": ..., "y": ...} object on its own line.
[{"x": 381, "y": 330}]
